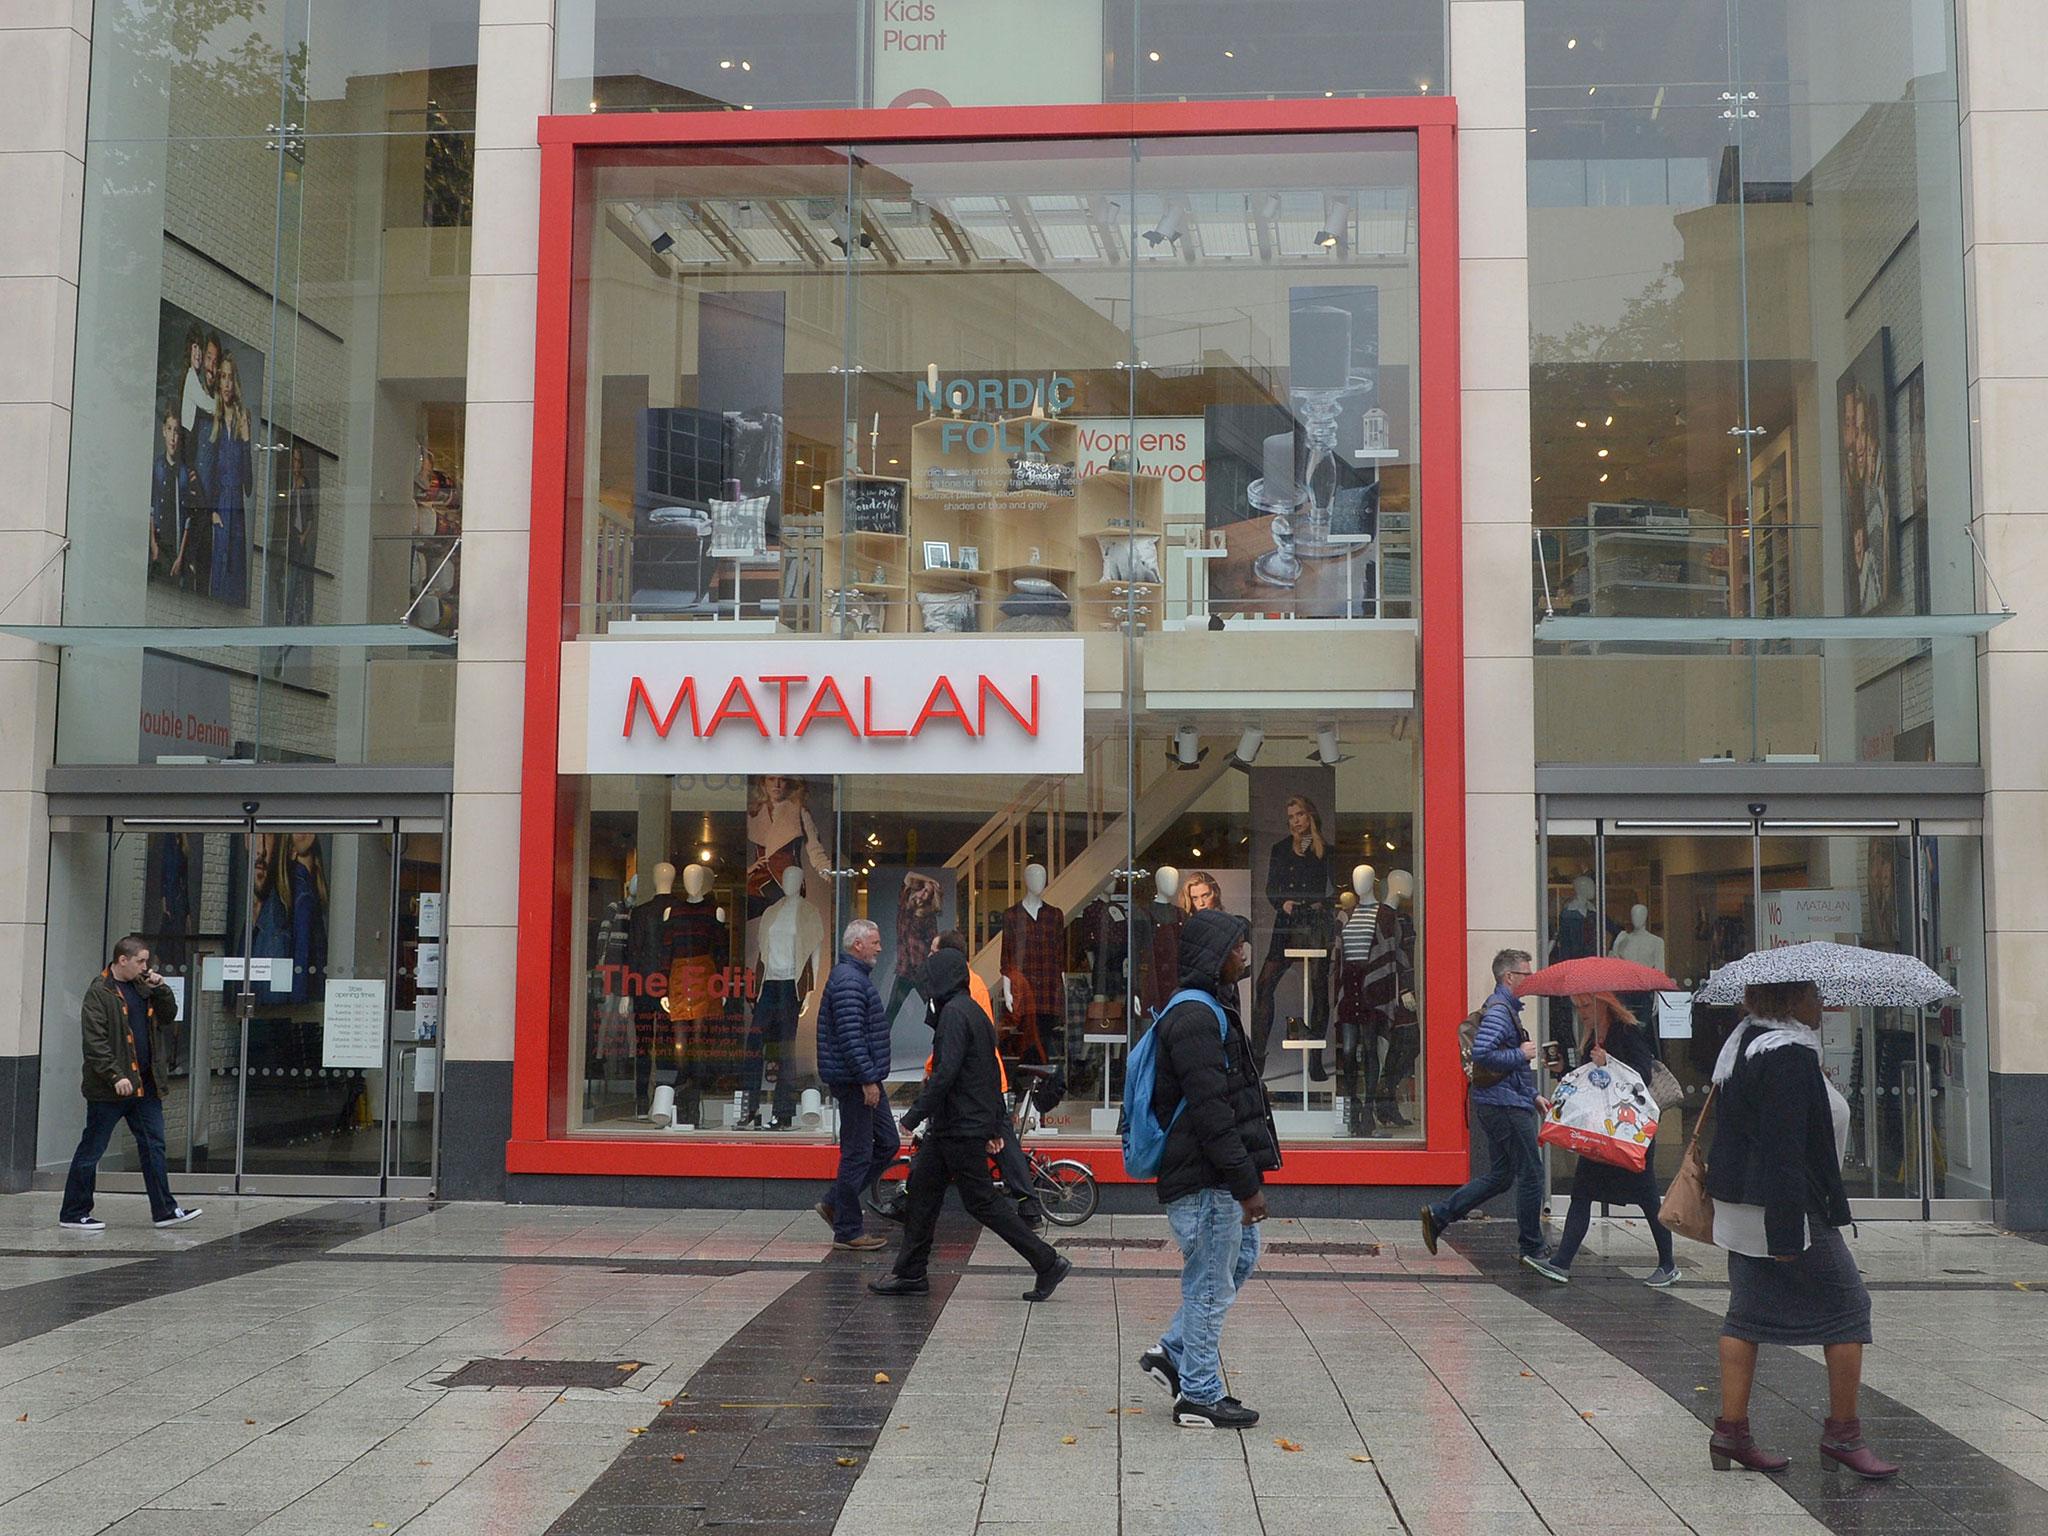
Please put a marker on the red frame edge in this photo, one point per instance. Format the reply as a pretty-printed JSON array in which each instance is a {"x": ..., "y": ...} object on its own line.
[{"x": 539, "y": 1142}]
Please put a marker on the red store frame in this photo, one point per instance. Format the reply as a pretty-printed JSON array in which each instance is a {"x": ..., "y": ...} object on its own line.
[{"x": 541, "y": 1142}]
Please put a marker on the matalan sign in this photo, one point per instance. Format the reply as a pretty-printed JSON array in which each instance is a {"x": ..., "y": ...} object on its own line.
[{"x": 882, "y": 705}]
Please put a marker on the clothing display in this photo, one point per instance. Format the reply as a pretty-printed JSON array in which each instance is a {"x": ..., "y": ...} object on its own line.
[
  {"x": 1034, "y": 960},
  {"x": 1300, "y": 878},
  {"x": 791, "y": 937},
  {"x": 691, "y": 938},
  {"x": 611, "y": 1015},
  {"x": 771, "y": 1036},
  {"x": 1159, "y": 959},
  {"x": 1106, "y": 935},
  {"x": 781, "y": 834}
]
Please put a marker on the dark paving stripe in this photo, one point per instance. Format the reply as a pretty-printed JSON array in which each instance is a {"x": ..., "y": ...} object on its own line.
[
  {"x": 44, "y": 1305},
  {"x": 1948, "y": 1487},
  {"x": 757, "y": 1437}
]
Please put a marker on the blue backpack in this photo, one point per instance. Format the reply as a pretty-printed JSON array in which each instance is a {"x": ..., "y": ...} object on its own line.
[{"x": 1144, "y": 1138}]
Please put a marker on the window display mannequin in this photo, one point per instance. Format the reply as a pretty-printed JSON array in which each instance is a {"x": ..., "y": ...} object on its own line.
[
  {"x": 1390, "y": 1001},
  {"x": 611, "y": 1009},
  {"x": 1578, "y": 935},
  {"x": 917, "y": 925},
  {"x": 1033, "y": 961},
  {"x": 1298, "y": 887},
  {"x": 789, "y": 941},
  {"x": 1159, "y": 961},
  {"x": 646, "y": 958},
  {"x": 1638, "y": 944},
  {"x": 1108, "y": 936},
  {"x": 1358, "y": 1034},
  {"x": 693, "y": 940}
]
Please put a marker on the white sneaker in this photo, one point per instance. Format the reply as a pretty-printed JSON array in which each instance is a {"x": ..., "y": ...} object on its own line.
[
  {"x": 84, "y": 1224},
  {"x": 179, "y": 1217}
]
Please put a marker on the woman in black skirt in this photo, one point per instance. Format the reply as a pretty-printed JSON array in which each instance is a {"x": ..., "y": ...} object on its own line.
[
  {"x": 1779, "y": 1207},
  {"x": 1612, "y": 1034}
]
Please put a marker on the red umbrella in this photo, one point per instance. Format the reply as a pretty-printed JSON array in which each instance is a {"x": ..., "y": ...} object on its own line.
[{"x": 1594, "y": 973}]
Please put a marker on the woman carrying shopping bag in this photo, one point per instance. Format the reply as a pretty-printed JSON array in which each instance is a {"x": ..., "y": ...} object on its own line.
[
  {"x": 1775, "y": 1176},
  {"x": 1612, "y": 1034}
]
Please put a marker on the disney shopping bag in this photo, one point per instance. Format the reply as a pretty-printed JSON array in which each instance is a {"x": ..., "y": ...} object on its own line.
[{"x": 1605, "y": 1113}]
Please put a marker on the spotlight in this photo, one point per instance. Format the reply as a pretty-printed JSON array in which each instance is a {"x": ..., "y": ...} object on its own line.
[
  {"x": 1269, "y": 208},
  {"x": 1336, "y": 215},
  {"x": 1187, "y": 750},
  {"x": 845, "y": 237},
  {"x": 1329, "y": 751},
  {"x": 650, "y": 229},
  {"x": 1167, "y": 229},
  {"x": 1248, "y": 747}
]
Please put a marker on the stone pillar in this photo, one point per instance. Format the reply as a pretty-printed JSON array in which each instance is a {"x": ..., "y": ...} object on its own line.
[
  {"x": 2004, "y": 60},
  {"x": 1500, "y": 713},
  {"x": 45, "y": 58},
  {"x": 515, "y": 84}
]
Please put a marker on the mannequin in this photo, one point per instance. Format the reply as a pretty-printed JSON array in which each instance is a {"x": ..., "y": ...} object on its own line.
[
  {"x": 1637, "y": 943},
  {"x": 790, "y": 939},
  {"x": 646, "y": 958},
  {"x": 1578, "y": 935},
  {"x": 1358, "y": 1041},
  {"x": 1389, "y": 986},
  {"x": 1159, "y": 962},
  {"x": 611, "y": 1009},
  {"x": 1109, "y": 936},
  {"x": 1034, "y": 947},
  {"x": 693, "y": 938}
]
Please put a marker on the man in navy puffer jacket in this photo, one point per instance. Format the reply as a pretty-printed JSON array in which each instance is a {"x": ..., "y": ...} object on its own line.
[{"x": 853, "y": 1059}]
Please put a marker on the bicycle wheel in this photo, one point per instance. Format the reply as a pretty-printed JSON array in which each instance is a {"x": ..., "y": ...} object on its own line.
[
  {"x": 1066, "y": 1189},
  {"x": 886, "y": 1191}
]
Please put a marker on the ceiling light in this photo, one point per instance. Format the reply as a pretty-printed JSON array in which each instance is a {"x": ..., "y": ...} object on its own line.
[
  {"x": 1601, "y": 454},
  {"x": 747, "y": 65},
  {"x": 746, "y": 106},
  {"x": 593, "y": 103},
  {"x": 1194, "y": 850},
  {"x": 704, "y": 855},
  {"x": 725, "y": 63},
  {"x": 1248, "y": 747},
  {"x": 1578, "y": 423},
  {"x": 1329, "y": 93},
  {"x": 650, "y": 229},
  {"x": 1571, "y": 42},
  {"x": 1168, "y": 227},
  {"x": 894, "y": 461},
  {"x": 1609, "y": 422},
  {"x": 1336, "y": 215},
  {"x": 1390, "y": 847},
  {"x": 1603, "y": 479},
  {"x": 1228, "y": 54},
  {"x": 1591, "y": 89},
  {"x": 799, "y": 463},
  {"x": 1153, "y": 55}
]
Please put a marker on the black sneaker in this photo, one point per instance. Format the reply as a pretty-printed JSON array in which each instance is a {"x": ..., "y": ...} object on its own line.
[
  {"x": 1049, "y": 1280},
  {"x": 1157, "y": 1364},
  {"x": 87, "y": 1223},
  {"x": 179, "y": 1216},
  {"x": 1228, "y": 1413}
]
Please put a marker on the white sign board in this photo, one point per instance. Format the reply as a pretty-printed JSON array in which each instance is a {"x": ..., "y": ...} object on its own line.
[
  {"x": 985, "y": 53},
  {"x": 426, "y": 1069},
  {"x": 426, "y": 1017},
  {"x": 218, "y": 969},
  {"x": 430, "y": 914},
  {"x": 1793, "y": 917},
  {"x": 1674, "y": 1015},
  {"x": 1166, "y": 448},
  {"x": 352, "y": 1025},
  {"x": 427, "y": 970},
  {"x": 881, "y": 705}
]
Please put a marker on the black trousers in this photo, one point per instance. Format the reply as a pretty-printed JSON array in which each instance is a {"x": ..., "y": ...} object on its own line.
[
  {"x": 961, "y": 1161},
  {"x": 771, "y": 1036}
]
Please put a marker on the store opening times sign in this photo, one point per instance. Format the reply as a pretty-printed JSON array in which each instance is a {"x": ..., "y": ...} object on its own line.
[{"x": 909, "y": 704}]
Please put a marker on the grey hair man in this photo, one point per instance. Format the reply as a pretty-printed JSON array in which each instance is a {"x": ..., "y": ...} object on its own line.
[{"x": 853, "y": 1059}]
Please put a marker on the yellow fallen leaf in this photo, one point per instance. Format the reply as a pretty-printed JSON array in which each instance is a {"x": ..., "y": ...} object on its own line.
[
  {"x": 668, "y": 1402},
  {"x": 21, "y": 1418},
  {"x": 1366, "y": 1460},
  {"x": 1069, "y": 1439},
  {"x": 1528, "y": 1373},
  {"x": 679, "y": 1456},
  {"x": 1134, "y": 1410},
  {"x": 846, "y": 1461},
  {"x": 637, "y": 1429},
  {"x": 1587, "y": 1414},
  {"x": 810, "y": 1380},
  {"x": 881, "y": 1376},
  {"x": 423, "y": 1463},
  {"x": 248, "y": 1421},
  {"x": 1287, "y": 1445},
  {"x": 630, "y": 1365},
  {"x": 379, "y": 1525}
]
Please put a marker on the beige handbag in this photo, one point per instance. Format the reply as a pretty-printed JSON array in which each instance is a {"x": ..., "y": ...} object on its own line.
[{"x": 1688, "y": 1209}]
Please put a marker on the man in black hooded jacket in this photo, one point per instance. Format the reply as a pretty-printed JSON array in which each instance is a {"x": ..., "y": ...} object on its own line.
[
  {"x": 962, "y": 1109},
  {"x": 1211, "y": 1170}
]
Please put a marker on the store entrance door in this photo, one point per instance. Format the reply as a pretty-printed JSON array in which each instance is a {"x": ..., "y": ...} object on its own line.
[{"x": 307, "y": 959}]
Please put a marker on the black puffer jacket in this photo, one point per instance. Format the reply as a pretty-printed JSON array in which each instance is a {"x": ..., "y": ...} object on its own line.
[
  {"x": 963, "y": 1096},
  {"x": 1225, "y": 1138}
]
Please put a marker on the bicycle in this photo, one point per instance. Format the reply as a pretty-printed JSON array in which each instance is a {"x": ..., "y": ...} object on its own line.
[{"x": 1064, "y": 1187}]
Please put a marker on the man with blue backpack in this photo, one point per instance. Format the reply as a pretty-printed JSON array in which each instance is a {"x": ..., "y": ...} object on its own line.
[{"x": 1196, "y": 1119}]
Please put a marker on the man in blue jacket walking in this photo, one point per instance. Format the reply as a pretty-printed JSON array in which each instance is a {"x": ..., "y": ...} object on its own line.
[
  {"x": 1507, "y": 1109},
  {"x": 853, "y": 1059}
]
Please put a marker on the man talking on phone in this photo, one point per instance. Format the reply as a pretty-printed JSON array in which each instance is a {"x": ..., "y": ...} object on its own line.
[
  {"x": 1220, "y": 1143},
  {"x": 124, "y": 1024}
]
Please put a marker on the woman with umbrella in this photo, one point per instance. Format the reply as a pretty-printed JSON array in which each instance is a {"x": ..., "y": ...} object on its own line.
[
  {"x": 1775, "y": 1176},
  {"x": 1612, "y": 1034}
]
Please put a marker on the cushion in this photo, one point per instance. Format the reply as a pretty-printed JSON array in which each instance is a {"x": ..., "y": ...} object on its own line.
[
  {"x": 946, "y": 613},
  {"x": 1130, "y": 559},
  {"x": 1043, "y": 476}
]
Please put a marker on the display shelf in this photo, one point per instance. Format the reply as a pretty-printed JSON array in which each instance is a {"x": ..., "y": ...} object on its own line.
[{"x": 1117, "y": 503}]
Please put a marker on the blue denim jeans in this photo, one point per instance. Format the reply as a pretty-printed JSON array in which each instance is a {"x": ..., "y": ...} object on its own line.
[
  {"x": 1218, "y": 1252},
  {"x": 145, "y": 1117},
  {"x": 1511, "y": 1144},
  {"x": 867, "y": 1142}
]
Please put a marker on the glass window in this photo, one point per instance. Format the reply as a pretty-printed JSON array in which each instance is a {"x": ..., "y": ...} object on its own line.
[
  {"x": 1747, "y": 375},
  {"x": 1160, "y": 397}
]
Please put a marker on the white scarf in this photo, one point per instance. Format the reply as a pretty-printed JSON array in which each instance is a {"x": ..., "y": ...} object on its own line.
[{"x": 1777, "y": 1032}]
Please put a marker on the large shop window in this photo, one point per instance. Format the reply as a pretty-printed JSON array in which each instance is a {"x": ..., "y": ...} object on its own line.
[
  {"x": 1037, "y": 526},
  {"x": 1750, "y": 469}
]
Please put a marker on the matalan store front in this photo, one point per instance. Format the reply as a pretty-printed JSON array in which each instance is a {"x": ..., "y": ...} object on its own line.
[{"x": 1041, "y": 523}]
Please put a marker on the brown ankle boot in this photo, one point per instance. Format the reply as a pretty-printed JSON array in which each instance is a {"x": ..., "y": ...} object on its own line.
[
  {"x": 1732, "y": 1446},
  {"x": 1842, "y": 1440}
]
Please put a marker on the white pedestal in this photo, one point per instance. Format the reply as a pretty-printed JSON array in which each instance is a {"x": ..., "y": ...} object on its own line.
[
  {"x": 1103, "y": 1122},
  {"x": 1308, "y": 1122}
]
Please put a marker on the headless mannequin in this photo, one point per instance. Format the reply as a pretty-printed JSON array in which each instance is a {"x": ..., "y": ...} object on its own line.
[
  {"x": 1390, "y": 995},
  {"x": 1644, "y": 948},
  {"x": 611, "y": 1007},
  {"x": 646, "y": 959},
  {"x": 1033, "y": 950},
  {"x": 790, "y": 940},
  {"x": 693, "y": 943},
  {"x": 1159, "y": 963}
]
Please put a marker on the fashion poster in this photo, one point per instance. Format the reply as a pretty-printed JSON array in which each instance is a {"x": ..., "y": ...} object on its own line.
[
  {"x": 1294, "y": 888},
  {"x": 286, "y": 880},
  {"x": 203, "y": 461},
  {"x": 1863, "y": 412},
  {"x": 291, "y": 539},
  {"x": 912, "y": 906},
  {"x": 174, "y": 875}
]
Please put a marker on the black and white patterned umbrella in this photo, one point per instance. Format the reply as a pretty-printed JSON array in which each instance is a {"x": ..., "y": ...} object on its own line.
[{"x": 1848, "y": 976}]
